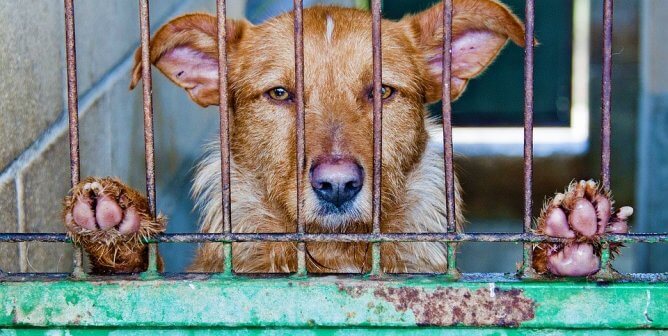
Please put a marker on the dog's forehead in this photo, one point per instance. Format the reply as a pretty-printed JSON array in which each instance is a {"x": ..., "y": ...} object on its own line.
[
  {"x": 329, "y": 29},
  {"x": 337, "y": 48}
]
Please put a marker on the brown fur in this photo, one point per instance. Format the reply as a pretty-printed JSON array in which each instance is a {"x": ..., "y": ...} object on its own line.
[{"x": 338, "y": 76}]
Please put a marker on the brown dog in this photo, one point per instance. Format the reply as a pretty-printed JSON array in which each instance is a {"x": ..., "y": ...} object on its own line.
[{"x": 109, "y": 219}]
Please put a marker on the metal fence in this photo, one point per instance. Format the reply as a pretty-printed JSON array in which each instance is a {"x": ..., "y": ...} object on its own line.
[
  {"x": 152, "y": 301},
  {"x": 451, "y": 237}
]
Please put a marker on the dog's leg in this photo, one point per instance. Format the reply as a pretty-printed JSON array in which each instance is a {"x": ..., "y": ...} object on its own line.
[
  {"x": 582, "y": 214},
  {"x": 110, "y": 219}
]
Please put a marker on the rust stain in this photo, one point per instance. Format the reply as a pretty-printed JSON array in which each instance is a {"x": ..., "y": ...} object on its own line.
[
  {"x": 461, "y": 306},
  {"x": 353, "y": 291}
]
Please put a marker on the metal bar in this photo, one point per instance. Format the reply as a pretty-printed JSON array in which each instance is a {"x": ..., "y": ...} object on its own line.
[
  {"x": 72, "y": 91},
  {"x": 224, "y": 131},
  {"x": 527, "y": 270},
  {"x": 606, "y": 271},
  {"x": 606, "y": 90},
  {"x": 300, "y": 115},
  {"x": 377, "y": 130},
  {"x": 73, "y": 112},
  {"x": 447, "y": 132},
  {"x": 447, "y": 115},
  {"x": 651, "y": 238},
  {"x": 148, "y": 114}
]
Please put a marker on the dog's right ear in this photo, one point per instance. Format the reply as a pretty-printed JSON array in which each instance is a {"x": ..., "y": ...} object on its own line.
[{"x": 186, "y": 51}]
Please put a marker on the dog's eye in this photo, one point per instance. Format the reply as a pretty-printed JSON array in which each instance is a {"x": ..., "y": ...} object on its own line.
[
  {"x": 279, "y": 93},
  {"x": 386, "y": 92}
]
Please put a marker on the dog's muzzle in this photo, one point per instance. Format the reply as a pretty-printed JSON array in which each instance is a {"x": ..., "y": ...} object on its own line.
[{"x": 336, "y": 181}]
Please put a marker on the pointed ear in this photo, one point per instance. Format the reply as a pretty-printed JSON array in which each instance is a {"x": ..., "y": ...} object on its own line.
[
  {"x": 186, "y": 51},
  {"x": 480, "y": 29}
]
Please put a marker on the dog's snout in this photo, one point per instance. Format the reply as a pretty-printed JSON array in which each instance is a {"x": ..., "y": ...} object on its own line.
[{"x": 336, "y": 180}]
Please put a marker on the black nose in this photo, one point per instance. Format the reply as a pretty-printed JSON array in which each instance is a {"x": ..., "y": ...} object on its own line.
[{"x": 336, "y": 180}]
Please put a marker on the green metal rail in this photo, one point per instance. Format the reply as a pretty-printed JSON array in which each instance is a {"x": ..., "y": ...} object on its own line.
[{"x": 201, "y": 304}]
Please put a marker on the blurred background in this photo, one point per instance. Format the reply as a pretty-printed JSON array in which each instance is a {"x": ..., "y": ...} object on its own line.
[{"x": 34, "y": 160}]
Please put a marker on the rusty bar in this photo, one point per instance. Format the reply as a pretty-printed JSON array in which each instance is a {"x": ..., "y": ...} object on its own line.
[
  {"x": 73, "y": 112},
  {"x": 72, "y": 91},
  {"x": 147, "y": 86},
  {"x": 301, "y": 145},
  {"x": 606, "y": 272},
  {"x": 224, "y": 130},
  {"x": 447, "y": 132},
  {"x": 148, "y": 104},
  {"x": 447, "y": 115},
  {"x": 528, "y": 131},
  {"x": 606, "y": 90},
  {"x": 377, "y": 130},
  {"x": 650, "y": 238}
]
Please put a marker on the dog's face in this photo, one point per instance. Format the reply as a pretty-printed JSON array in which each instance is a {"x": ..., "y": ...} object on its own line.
[{"x": 338, "y": 96}]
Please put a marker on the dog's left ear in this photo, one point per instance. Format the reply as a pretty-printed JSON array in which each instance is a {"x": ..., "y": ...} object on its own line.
[{"x": 480, "y": 29}]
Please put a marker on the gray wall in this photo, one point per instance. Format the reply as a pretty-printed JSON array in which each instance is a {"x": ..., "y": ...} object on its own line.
[
  {"x": 651, "y": 211},
  {"x": 34, "y": 159}
]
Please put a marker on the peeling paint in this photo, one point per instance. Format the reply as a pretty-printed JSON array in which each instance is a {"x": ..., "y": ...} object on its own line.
[
  {"x": 646, "y": 313},
  {"x": 446, "y": 306}
]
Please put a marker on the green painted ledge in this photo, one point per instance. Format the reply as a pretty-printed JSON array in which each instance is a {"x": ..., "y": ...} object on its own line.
[{"x": 198, "y": 305}]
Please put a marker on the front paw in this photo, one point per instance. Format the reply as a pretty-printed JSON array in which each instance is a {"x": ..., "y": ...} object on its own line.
[
  {"x": 110, "y": 220},
  {"x": 581, "y": 215}
]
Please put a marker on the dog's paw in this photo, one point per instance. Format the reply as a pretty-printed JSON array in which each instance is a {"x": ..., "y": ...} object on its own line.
[
  {"x": 581, "y": 215},
  {"x": 110, "y": 220}
]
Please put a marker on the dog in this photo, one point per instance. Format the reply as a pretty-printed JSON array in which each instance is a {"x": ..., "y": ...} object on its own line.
[{"x": 111, "y": 220}]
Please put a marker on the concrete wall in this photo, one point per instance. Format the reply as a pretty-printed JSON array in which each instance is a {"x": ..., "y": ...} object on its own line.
[
  {"x": 34, "y": 157},
  {"x": 651, "y": 212}
]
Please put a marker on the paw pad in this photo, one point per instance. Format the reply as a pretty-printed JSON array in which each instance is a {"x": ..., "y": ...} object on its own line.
[
  {"x": 104, "y": 210},
  {"x": 581, "y": 215}
]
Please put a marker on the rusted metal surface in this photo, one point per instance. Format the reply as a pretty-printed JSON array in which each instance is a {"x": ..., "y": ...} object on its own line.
[
  {"x": 528, "y": 114},
  {"x": 447, "y": 134},
  {"x": 300, "y": 121},
  {"x": 346, "y": 237},
  {"x": 606, "y": 272},
  {"x": 73, "y": 113},
  {"x": 330, "y": 302},
  {"x": 224, "y": 130},
  {"x": 377, "y": 129},
  {"x": 147, "y": 86},
  {"x": 224, "y": 115},
  {"x": 72, "y": 91},
  {"x": 447, "y": 114},
  {"x": 446, "y": 306},
  {"x": 526, "y": 269},
  {"x": 149, "y": 147},
  {"x": 606, "y": 92}
]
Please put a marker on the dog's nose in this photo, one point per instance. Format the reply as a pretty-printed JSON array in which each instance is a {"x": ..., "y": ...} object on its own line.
[{"x": 336, "y": 180}]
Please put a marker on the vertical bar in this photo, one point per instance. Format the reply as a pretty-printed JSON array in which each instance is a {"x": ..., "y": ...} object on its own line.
[
  {"x": 147, "y": 86},
  {"x": 72, "y": 91},
  {"x": 301, "y": 145},
  {"x": 606, "y": 272},
  {"x": 377, "y": 130},
  {"x": 447, "y": 132},
  {"x": 606, "y": 89},
  {"x": 528, "y": 130},
  {"x": 224, "y": 131},
  {"x": 73, "y": 112}
]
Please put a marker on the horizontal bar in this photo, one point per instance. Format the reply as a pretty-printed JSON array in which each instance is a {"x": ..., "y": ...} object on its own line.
[
  {"x": 333, "y": 302},
  {"x": 346, "y": 238}
]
